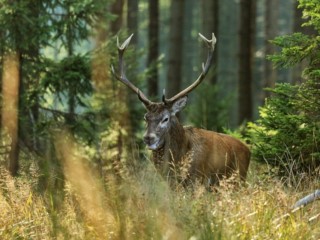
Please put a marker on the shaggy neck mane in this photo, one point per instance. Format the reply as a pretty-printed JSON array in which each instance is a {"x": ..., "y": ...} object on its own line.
[
  {"x": 175, "y": 144},
  {"x": 176, "y": 140}
]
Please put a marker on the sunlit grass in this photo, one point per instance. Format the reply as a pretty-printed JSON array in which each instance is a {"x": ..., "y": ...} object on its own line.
[{"x": 140, "y": 205}]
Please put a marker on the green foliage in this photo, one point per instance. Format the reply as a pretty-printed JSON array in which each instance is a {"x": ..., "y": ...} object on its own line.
[
  {"x": 74, "y": 20},
  {"x": 311, "y": 12},
  {"x": 23, "y": 23},
  {"x": 294, "y": 48},
  {"x": 298, "y": 46},
  {"x": 69, "y": 80},
  {"x": 285, "y": 136},
  {"x": 70, "y": 75},
  {"x": 31, "y": 28}
]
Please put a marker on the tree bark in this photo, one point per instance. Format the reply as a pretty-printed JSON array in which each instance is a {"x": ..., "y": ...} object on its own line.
[
  {"x": 117, "y": 9},
  {"x": 247, "y": 20},
  {"x": 189, "y": 42},
  {"x": 210, "y": 23},
  {"x": 29, "y": 108},
  {"x": 10, "y": 107},
  {"x": 175, "y": 48},
  {"x": 132, "y": 19},
  {"x": 271, "y": 31},
  {"x": 121, "y": 117},
  {"x": 153, "y": 52}
]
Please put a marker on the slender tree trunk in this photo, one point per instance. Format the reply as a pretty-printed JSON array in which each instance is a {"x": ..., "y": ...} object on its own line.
[
  {"x": 134, "y": 110},
  {"x": 132, "y": 19},
  {"x": 10, "y": 107},
  {"x": 271, "y": 31},
  {"x": 189, "y": 42},
  {"x": 71, "y": 94},
  {"x": 28, "y": 110},
  {"x": 33, "y": 81},
  {"x": 210, "y": 23},
  {"x": 117, "y": 9},
  {"x": 297, "y": 27},
  {"x": 153, "y": 47},
  {"x": 175, "y": 48},
  {"x": 101, "y": 81},
  {"x": 247, "y": 20},
  {"x": 121, "y": 119},
  {"x": 100, "y": 76}
]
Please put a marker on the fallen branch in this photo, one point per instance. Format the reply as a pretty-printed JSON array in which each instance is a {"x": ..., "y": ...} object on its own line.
[{"x": 306, "y": 200}]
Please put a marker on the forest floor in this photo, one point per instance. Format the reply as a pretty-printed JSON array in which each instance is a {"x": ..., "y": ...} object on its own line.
[{"x": 144, "y": 207}]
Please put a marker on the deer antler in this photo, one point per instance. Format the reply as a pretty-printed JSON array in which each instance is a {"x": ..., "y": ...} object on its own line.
[
  {"x": 122, "y": 77},
  {"x": 205, "y": 67}
]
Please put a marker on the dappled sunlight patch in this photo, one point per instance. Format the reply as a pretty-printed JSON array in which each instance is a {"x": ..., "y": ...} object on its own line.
[{"x": 87, "y": 189}]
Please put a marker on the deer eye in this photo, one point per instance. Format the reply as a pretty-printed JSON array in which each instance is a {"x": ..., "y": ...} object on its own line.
[{"x": 166, "y": 119}]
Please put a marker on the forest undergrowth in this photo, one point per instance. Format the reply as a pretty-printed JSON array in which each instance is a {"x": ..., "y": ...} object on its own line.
[{"x": 141, "y": 205}]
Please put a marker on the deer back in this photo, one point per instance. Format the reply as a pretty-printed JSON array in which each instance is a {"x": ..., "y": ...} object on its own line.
[{"x": 216, "y": 154}]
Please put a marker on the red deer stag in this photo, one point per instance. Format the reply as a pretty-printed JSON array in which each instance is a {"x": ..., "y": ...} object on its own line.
[{"x": 204, "y": 155}]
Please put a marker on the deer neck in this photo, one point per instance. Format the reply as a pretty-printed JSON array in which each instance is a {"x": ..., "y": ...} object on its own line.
[
  {"x": 175, "y": 145},
  {"x": 176, "y": 141}
]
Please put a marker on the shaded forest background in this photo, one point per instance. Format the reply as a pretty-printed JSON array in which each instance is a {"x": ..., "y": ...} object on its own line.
[{"x": 56, "y": 57}]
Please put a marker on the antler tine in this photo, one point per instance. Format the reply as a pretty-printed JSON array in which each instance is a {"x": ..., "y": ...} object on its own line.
[
  {"x": 205, "y": 68},
  {"x": 122, "y": 77}
]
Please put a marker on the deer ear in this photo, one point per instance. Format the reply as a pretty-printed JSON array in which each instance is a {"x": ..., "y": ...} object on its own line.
[{"x": 178, "y": 105}]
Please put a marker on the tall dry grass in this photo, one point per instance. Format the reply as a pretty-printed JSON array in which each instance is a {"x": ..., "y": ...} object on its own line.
[{"x": 140, "y": 205}]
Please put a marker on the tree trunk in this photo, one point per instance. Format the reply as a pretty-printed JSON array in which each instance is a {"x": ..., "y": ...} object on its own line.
[
  {"x": 132, "y": 19},
  {"x": 70, "y": 50},
  {"x": 189, "y": 42},
  {"x": 101, "y": 80},
  {"x": 121, "y": 118},
  {"x": 133, "y": 104},
  {"x": 32, "y": 110},
  {"x": 210, "y": 21},
  {"x": 117, "y": 9},
  {"x": 10, "y": 107},
  {"x": 153, "y": 47},
  {"x": 175, "y": 48},
  {"x": 247, "y": 20},
  {"x": 271, "y": 31}
]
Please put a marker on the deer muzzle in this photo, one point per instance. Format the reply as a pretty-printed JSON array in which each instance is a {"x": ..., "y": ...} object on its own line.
[{"x": 152, "y": 141}]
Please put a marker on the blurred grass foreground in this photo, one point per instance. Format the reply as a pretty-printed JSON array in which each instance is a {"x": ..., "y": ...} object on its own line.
[{"x": 140, "y": 205}]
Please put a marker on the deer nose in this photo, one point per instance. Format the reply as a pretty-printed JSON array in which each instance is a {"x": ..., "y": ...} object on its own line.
[{"x": 149, "y": 138}]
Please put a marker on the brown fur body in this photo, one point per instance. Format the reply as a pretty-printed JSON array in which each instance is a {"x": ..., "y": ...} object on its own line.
[{"x": 207, "y": 155}]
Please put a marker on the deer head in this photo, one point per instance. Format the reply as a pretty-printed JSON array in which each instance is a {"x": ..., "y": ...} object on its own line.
[{"x": 161, "y": 116}]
